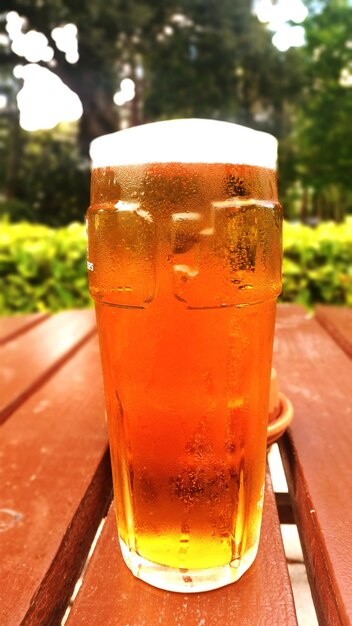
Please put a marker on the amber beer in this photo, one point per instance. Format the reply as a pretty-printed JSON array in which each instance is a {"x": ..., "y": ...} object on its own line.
[{"x": 184, "y": 263}]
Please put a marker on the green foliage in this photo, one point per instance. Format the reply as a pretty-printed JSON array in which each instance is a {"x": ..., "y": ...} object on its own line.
[
  {"x": 50, "y": 180},
  {"x": 211, "y": 64},
  {"x": 44, "y": 269},
  {"x": 188, "y": 58},
  {"x": 318, "y": 263},
  {"x": 317, "y": 153}
]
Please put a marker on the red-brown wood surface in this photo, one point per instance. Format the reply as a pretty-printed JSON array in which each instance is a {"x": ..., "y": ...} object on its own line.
[
  {"x": 317, "y": 376},
  {"x": 55, "y": 484},
  {"x": 338, "y": 323},
  {"x": 111, "y": 596},
  {"x": 11, "y": 327},
  {"x": 29, "y": 359},
  {"x": 55, "y": 481}
]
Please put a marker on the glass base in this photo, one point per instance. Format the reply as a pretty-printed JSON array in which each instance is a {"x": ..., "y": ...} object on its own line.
[{"x": 186, "y": 580}]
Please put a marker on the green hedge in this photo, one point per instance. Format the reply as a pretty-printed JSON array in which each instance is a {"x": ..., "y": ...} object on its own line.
[
  {"x": 43, "y": 268},
  {"x": 318, "y": 263}
]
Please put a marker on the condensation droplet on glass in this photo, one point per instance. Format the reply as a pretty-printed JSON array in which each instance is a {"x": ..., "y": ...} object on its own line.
[
  {"x": 124, "y": 289},
  {"x": 9, "y": 518}
]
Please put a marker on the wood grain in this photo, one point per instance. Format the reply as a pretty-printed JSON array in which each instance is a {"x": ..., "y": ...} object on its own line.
[
  {"x": 28, "y": 360},
  {"x": 55, "y": 487},
  {"x": 110, "y": 595},
  {"x": 11, "y": 327},
  {"x": 337, "y": 321},
  {"x": 316, "y": 375}
]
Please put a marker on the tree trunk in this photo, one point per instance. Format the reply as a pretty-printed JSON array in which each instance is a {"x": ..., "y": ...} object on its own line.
[
  {"x": 99, "y": 118},
  {"x": 304, "y": 206},
  {"x": 96, "y": 92},
  {"x": 13, "y": 155}
]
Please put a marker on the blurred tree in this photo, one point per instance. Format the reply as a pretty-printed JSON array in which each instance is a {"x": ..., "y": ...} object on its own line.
[
  {"x": 46, "y": 177},
  {"x": 187, "y": 57},
  {"x": 52, "y": 181},
  {"x": 94, "y": 77},
  {"x": 320, "y": 145},
  {"x": 215, "y": 59}
]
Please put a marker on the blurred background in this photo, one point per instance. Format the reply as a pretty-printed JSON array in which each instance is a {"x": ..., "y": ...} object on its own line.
[{"x": 73, "y": 70}]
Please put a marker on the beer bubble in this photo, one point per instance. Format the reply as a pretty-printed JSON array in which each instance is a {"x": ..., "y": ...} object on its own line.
[
  {"x": 185, "y": 231},
  {"x": 147, "y": 488}
]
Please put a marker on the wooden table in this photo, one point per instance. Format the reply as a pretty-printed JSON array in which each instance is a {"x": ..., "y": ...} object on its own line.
[{"x": 55, "y": 484}]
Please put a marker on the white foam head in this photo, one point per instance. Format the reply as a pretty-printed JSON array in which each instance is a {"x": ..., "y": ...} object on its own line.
[{"x": 185, "y": 141}]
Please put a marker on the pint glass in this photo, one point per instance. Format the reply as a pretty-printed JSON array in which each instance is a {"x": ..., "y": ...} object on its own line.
[{"x": 184, "y": 260}]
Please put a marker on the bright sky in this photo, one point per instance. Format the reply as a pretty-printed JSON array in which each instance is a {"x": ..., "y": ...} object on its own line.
[
  {"x": 277, "y": 17},
  {"x": 44, "y": 100}
]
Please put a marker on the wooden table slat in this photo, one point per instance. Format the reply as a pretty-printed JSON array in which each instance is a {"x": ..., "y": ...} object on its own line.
[
  {"x": 55, "y": 484},
  {"x": 55, "y": 487},
  {"x": 11, "y": 327},
  {"x": 28, "y": 360},
  {"x": 337, "y": 321},
  {"x": 316, "y": 375},
  {"x": 112, "y": 596}
]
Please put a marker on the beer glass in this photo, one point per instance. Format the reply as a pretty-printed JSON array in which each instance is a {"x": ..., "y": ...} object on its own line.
[{"x": 184, "y": 260}]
